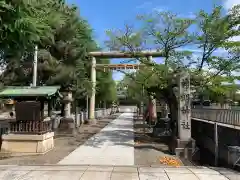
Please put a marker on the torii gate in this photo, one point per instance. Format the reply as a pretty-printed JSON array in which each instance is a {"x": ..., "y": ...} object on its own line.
[
  {"x": 184, "y": 143},
  {"x": 94, "y": 55}
]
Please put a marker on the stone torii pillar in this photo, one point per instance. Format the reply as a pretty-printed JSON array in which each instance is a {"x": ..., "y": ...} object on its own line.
[{"x": 92, "y": 98}]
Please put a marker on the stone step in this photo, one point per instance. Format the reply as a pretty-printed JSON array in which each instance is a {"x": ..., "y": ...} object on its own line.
[{"x": 56, "y": 172}]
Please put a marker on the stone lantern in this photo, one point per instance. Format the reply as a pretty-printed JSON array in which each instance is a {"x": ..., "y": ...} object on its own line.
[
  {"x": 66, "y": 101},
  {"x": 67, "y": 121}
]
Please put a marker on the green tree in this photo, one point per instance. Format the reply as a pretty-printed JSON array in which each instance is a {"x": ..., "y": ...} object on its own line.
[
  {"x": 168, "y": 33},
  {"x": 106, "y": 87},
  {"x": 64, "y": 40}
]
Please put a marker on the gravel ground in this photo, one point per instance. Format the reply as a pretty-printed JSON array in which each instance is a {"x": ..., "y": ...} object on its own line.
[{"x": 64, "y": 145}]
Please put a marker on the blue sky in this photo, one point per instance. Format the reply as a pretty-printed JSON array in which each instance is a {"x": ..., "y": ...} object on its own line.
[{"x": 105, "y": 15}]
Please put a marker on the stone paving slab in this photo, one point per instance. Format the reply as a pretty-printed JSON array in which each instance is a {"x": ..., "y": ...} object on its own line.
[
  {"x": 113, "y": 145},
  {"x": 85, "y": 172}
]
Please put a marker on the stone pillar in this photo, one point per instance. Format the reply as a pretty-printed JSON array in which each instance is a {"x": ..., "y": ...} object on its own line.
[
  {"x": 87, "y": 107},
  {"x": 92, "y": 98},
  {"x": 185, "y": 146},
  {"x": 141, "y": 109},
  {"x": 184, "y": 107},
  {"x": 153, "y": 100},
  {"x": 67, "y": 108},
  {"x": 154, "y": 108}
]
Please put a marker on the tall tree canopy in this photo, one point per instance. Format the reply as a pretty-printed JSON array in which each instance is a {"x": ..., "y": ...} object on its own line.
[
  {"x": 173, "y": 35},
  {"x": 63, "y": 38}
]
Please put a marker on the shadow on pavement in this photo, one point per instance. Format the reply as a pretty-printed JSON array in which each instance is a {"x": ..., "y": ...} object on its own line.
[{"x": 111, "y": 137}]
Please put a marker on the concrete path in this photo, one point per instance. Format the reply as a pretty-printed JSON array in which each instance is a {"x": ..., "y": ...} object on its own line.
[
  {"x": 58, "y": 172},
  {"x": 113, "y": 145}
]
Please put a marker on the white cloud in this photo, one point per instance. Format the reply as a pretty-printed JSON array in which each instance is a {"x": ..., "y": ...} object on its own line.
[
  {"x": 219, "y": 51},
  {"x": 228, "y": 4},
  {"x": 236, "y": 38},
  {"x": 189, "y": 15},
  {"x": 149, "y": 6}
]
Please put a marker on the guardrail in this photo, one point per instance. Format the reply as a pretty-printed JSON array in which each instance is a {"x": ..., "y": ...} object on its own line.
[{"x": 225, "y": 116}]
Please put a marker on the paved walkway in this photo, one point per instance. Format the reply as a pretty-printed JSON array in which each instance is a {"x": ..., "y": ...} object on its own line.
[
  {"x": 58, "y": 172},
  {"x": 113, "y": 145}
]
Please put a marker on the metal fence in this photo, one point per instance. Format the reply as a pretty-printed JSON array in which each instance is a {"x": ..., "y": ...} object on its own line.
[{"x": 225, "y": 116}]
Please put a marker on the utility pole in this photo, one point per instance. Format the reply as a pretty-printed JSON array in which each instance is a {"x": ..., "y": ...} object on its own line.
[{"x": 35, "y": 67}]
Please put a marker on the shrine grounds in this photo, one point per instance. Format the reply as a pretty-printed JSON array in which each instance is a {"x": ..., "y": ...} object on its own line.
[{"x": 147, "y": 150}]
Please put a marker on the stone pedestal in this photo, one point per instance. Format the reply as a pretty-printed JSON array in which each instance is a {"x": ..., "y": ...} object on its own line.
[
  {"x": 91, "y": 121},
  {"x": 27, "y": 144},
  {"x": 66, "y": 125},
  {"x": 185, "y": 149}
]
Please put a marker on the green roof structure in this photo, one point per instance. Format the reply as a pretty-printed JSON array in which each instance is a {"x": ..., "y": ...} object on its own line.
[{"x": 27, "y": 91}]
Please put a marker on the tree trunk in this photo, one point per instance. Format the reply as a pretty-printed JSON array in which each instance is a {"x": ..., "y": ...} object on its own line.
[
  {"x": 174, "y": 117},
  {"x": 173, "y": 106},
  {"x": 172, "y": 102},
  {"x": 170, "y": 98}
]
